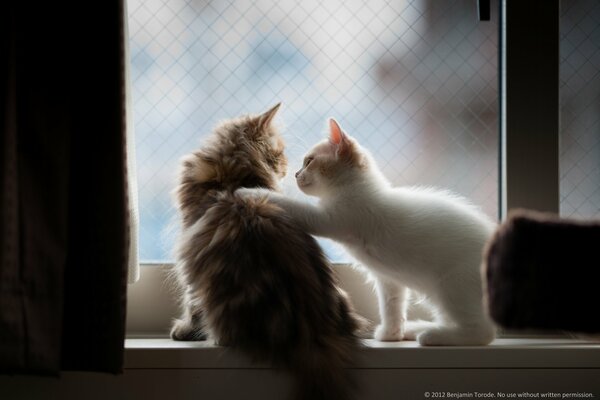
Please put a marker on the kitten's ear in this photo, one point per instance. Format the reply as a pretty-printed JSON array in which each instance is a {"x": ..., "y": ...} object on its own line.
[
  {"x": 336, "y": 134},
  {"x": 339, "y": 139},
  {"x": 345, "y": 148},
  {"x": 265, "y": 119}
]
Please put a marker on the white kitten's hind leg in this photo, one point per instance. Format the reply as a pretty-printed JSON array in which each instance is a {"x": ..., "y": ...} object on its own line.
[
  {"x": 412, "y": 329},
  {"x": 392, "y": 299},
  {"x": 476, "y": 335},
  {"x": 464, "y": 322}
]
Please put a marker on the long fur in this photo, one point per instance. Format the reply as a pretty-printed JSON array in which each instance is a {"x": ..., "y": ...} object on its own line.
[
  {"x": 409, "y": 238},
  {"x": 542, "y": 273},
  {"x": 250, "y": 277}
]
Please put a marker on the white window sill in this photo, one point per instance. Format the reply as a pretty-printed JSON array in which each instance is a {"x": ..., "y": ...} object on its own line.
[
  {"x": 165, "y": 369},
  {"x": 510, "y": 353}
]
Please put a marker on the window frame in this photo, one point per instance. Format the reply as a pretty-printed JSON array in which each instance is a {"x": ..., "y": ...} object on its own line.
[
  {"x": 528, "y": 157},
  {"x": 529, "y": 135}
]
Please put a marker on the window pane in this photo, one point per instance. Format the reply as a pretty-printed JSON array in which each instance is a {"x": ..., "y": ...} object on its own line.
[
  {"x": 414, "y": 81},
  {"x": 580, "y": 108}
]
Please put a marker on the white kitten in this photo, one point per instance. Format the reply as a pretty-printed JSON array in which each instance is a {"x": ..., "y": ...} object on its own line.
[{"x": 427, "y": 240}]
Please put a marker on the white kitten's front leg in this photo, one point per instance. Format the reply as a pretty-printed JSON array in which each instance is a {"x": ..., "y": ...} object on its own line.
[
  {"x": 310, "y": 218},
  {"x": 254, "y": 192},
  {"x": 392, "y": 299}
]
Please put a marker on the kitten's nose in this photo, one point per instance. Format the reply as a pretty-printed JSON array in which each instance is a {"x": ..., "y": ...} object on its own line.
[{"x": 297, "y": 173}]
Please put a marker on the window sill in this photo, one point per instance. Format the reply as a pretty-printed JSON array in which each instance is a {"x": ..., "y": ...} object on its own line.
[
  {"x": 507, "y": 353},
  {"x": 163, "y": 369}
]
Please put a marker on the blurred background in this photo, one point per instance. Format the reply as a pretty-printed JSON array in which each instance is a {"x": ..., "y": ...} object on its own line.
[{"x": 415, "y": 81}]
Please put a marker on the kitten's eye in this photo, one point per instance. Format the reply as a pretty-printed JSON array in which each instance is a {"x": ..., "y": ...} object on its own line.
[{"x": 307, "y": 161}]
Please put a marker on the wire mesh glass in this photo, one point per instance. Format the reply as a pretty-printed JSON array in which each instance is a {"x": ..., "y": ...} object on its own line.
[
  {"x": 414, "y": 81},
  {"x": 580, "y": 108}
]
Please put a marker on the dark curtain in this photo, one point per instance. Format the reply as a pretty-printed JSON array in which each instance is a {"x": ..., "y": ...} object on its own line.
[{"x": 63, "y": 203}]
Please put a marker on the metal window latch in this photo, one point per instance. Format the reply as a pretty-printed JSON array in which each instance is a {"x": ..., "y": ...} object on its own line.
[{"x": 483, "y": 8}]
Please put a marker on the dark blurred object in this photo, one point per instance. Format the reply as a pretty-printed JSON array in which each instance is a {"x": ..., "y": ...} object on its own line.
[
  {"x": 543, "y": 272},
  {"x": 483, "y": 7},
  {"x": 63, "y": 215}
]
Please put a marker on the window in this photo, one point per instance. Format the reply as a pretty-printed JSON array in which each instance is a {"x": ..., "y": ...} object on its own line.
[
  {"x": 580, "y": 102},
  {"x": 415, "y": 81},
  {"x": 418, "y": 87}
]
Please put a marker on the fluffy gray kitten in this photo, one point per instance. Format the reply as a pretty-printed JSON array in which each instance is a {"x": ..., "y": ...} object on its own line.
[{"x": 250, "y": 278}]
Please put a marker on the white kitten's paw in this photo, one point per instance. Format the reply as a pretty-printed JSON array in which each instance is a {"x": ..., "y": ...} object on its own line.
[
  {"x": 435, "y": 337},
  {"x": 385, "y": 333},
  {"x": 445, "y": 336},
  {"x": 252, "y": 193},
  {"x": 412, "y": 329}
]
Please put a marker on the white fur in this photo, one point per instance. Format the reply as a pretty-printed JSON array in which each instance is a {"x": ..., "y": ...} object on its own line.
[{"x": 423, "y": 239}]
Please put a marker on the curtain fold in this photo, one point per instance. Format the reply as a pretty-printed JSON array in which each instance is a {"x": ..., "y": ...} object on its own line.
[
  {"x": 64, "y": 223},
  {"x": 133, "y": 271}
]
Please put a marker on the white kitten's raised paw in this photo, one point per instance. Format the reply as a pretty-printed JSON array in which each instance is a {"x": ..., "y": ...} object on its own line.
[
  {"x": 385, "y": 333},
  {"x": 250, "y": 193}
]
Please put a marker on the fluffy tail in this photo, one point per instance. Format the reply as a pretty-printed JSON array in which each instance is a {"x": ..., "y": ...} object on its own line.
[
  {"x": 269, "y": 291},
  {"x": 324, "y": 373}
]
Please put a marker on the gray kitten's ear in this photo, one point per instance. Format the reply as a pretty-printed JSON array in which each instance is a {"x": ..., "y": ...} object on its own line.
[{"x": 265, "y": 119}]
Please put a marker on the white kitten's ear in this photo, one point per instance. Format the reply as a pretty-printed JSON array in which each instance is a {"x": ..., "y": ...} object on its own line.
[
  {"x": 265, "y": 119},
  {"x": 336, "y": 134},
  {"x": 339, "y": 139},
  {"x": 345, "y": 148}
]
